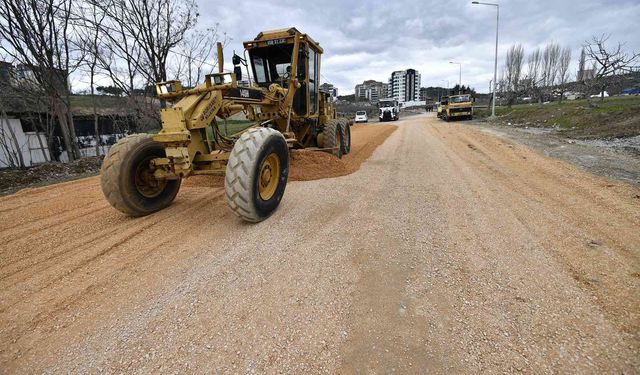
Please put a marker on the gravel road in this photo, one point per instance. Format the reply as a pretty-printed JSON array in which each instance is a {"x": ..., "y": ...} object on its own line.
[{"x": 449, "y": 251}]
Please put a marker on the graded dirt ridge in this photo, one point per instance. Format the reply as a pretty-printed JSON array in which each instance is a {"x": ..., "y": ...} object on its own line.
[{"x": 313, "y": 165}]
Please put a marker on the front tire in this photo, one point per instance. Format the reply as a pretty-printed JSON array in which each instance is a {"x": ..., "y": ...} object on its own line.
[
  {"x": 127, "y": 179},
  {"x": 257, "y": 173}
]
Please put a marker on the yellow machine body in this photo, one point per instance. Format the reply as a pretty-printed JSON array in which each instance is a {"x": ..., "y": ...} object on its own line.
[{"x": 285, "y": 96}]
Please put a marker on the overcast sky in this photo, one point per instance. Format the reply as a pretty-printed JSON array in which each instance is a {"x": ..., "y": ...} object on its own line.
[{"x": 370, "y": 39}]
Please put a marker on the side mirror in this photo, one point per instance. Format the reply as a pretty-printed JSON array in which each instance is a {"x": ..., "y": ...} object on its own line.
[
  {"x": 237, "y": 70},
  {"x": 236, "y": 59}
]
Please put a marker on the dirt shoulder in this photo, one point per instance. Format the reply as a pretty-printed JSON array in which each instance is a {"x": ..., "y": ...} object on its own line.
[
  {"x": 12, "y": 180},
  {"x": 612, "y": 118},
  {"x": 617, "y": 158}
]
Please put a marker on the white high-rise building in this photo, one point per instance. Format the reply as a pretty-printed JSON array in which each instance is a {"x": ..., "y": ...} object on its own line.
[{"x": 404, "y": 85}]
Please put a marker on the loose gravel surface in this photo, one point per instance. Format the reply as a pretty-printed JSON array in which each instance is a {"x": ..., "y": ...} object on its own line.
[
  {"x": 448, "y": 251},
  {"x": 617, "y": 158}
]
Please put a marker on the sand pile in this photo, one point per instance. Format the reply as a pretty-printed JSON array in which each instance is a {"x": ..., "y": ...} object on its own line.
[{"x": 313, "y": 165}]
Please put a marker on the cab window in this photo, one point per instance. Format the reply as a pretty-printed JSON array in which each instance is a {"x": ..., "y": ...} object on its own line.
[
  {"x": 271, "y": 64},
  {"x": 313, "y": 80}
]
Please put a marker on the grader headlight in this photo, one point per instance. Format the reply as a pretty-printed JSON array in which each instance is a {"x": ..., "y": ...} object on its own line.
[
  {"x": 168, "y": 88},
  {"x": 220, "y": 80}
]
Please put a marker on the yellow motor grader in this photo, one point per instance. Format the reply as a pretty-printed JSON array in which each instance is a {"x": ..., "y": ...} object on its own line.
[{"x": 141, "y": 174}]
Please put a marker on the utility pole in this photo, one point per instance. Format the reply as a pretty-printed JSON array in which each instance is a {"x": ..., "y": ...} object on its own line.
[
  {"x": 490, "y": 89},
  {"x": 495, "y": 64}
]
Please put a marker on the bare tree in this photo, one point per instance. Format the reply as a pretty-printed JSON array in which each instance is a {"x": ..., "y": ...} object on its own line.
[
  {"x": 154, "y": 27},
  {"x": 91, "y": 45},
  {"x": 608, "y": 62},
  {"x": 513, "y": 71},
  {"x": 119, "y": 55},
  {"x": 535, "y": 76},
  {"x": 190, "y": 58},
  {"x": 550, "y": 57},
  {"x": 563, "y": 70},
  {"x": 138, "y": 41},
  {"x": 37, "y": 35}
]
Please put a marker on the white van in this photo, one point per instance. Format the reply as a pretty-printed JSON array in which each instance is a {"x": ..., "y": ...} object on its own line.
[{"x": 361, "y": 116}]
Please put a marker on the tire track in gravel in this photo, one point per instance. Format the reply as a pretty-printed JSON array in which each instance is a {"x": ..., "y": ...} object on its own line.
[
  {"x": 100, "y": 280},
  {"x": 70, "y": 289},
  {"x": 586, "y": 237},
  {"x": 117, "y": 235},
  {"x": 503, "y": 295}
]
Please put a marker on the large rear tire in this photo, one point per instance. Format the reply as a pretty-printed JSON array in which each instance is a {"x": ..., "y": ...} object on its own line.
[
  {"x": 346, "y": 137},
  {"x": 332, "y": 135},
  {"x": 127, "y": 178},
  {"x": 257, "y": 174}
]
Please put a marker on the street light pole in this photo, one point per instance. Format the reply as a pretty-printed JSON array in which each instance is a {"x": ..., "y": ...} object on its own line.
[
  {"x": 459, "y": 77},
  {"x": 495, "y": 64},
  {"x": 491, "y": 88}
]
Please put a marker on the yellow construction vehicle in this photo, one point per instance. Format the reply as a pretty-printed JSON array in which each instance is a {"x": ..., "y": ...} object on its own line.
[
  {"x": 142, "y": 173},
  {"x": 440, "y": 106},
  {"x": 456, "y": 107}
]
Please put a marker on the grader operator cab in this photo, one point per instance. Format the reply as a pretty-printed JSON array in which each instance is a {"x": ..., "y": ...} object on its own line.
[{"x": 142, "y": 173}]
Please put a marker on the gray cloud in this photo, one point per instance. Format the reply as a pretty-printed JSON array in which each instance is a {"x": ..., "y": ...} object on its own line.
[{"x": 369, "y": 39}]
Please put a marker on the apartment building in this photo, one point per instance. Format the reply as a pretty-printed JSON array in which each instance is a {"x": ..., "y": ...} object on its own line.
[
  {"x": 371, "y": 91},
  {"x": 404, "y": 85},
  {"x": 330, "y": 88}
]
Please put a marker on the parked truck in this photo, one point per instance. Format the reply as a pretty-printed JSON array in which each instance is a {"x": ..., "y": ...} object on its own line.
[
  {"x": 389, "y": 110},
  {"x": 456, "y": 107}
]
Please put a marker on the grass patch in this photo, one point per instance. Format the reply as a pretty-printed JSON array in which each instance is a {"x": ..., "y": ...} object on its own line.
[{"x": 615, "y": 117}]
